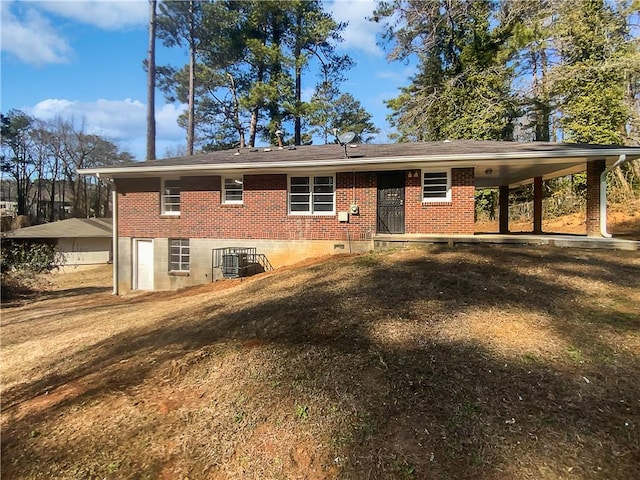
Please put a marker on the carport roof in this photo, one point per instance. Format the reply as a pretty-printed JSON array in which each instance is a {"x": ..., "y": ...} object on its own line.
[
  {"x": 69, "y": 228},
  {"x": 494, "y": 163}
]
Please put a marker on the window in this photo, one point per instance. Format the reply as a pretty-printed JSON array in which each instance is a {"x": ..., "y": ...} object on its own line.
[
  {"x": 232, "y": 190},
  {"x": 171, "y": 197},
  {"x": 311, "y": 195},
  {"x": 436, "y": 186},
  {"x": 179, "y": 255}
]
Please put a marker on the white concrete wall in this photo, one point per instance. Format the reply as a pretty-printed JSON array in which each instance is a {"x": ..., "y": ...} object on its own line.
[
  {"x": 278, "y": 252},
  {"x": 85, "y": 251}
]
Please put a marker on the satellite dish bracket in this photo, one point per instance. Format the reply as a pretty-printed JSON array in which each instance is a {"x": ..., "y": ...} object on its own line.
[{"x": 344, "y": 139}]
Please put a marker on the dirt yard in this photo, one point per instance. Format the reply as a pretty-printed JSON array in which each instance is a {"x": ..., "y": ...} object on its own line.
[
  {"x": 623, "y": 222},
  {"x": 438, "y": 363}
]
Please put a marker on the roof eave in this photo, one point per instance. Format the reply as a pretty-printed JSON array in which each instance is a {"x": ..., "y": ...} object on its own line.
[{"x": 365, "y": 164}]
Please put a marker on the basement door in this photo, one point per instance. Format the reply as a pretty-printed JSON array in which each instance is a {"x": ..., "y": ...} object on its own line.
[
  {"x": 143, "y": 268},
  {"x": 390, "y": 202}
]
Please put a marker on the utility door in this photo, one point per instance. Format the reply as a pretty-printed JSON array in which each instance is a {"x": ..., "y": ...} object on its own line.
[
  {"x": 390, "y": 202},
  {"x": 143, "y": 268}
]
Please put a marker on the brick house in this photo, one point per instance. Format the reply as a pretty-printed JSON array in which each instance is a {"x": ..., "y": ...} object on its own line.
[{"x": 172, "y": 215}]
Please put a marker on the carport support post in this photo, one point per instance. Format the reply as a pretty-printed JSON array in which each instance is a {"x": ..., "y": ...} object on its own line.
[
  {"x": 537, "y": 205},
  {"x": 503, "y": 204},
  {"x": 595, "y": 195}
]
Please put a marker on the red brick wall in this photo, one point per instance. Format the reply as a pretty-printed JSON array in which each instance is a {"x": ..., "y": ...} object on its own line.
[
  {"x": 263, "y": 215},
  {"x": 451, "y": 217}
]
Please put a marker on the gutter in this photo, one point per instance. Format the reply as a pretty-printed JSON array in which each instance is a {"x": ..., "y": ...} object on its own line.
[
  {"x": 603, "y": 195},
  {"x": 114, "y": 240}
]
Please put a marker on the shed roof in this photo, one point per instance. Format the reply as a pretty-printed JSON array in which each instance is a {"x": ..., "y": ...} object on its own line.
[
  {"x": 495, "y": 163},
  {"x": 69, "y": 228}
]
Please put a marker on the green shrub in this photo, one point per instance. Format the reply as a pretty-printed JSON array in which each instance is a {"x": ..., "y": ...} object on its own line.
[
  {"x": 21, "y": 261},
  {"x": 28, "y": 255}
]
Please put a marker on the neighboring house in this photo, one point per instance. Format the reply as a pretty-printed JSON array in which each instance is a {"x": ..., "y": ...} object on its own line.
[
  {"x": 8, "y": 208},
  {"x": 80, "y": 241},
  {"x": 61, "y": 209},
  {"x": 306, "y": 201}
]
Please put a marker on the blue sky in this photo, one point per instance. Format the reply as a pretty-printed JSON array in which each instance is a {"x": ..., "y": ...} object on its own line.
[{"x": 83, "y": 60}]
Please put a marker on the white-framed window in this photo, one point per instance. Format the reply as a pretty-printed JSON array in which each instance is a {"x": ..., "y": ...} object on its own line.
[
  {"x": 232, "y": 188},
  {"x": 170, "y": 197},
  {"x": 312, "y": 195},
  {"x": 436, "y": 185},
  {"x": 179, "y": 255}
]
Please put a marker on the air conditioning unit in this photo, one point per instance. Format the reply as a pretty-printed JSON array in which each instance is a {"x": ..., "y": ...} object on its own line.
[{"x": 233, "y": 264}]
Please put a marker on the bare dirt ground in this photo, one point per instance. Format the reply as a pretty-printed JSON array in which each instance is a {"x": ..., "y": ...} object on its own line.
[
  {"x": 438, "y": 363},
  {"x": 623, "y": 222}
]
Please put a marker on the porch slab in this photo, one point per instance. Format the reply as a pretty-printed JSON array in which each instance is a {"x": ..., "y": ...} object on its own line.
[{"x": 382, "y": 241}]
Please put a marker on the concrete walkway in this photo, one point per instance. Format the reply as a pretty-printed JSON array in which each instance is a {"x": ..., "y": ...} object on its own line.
[{"x": 557, "y": 240}]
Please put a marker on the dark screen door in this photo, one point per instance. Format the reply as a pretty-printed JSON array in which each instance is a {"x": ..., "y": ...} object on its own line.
[{"x": 390, "y": 202}]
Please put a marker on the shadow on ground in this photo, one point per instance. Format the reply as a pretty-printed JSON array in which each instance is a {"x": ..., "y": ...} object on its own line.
[{"x": 341, "y": 371}]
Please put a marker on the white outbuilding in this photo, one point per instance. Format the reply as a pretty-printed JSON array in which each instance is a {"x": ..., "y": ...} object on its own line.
[{"x": 80, "y": 241}]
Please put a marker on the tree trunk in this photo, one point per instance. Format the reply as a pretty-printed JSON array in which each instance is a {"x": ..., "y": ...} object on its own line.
[
  {"x": 85, "y": 206},
  {"x": 106, "y": 200},
  {"x": 63, "y": 209},
  {"x": 236, "y": 111},
  {"x": 297, "y": 127},
  {"x": 624, "y": 185},
  {"x": 39, "y": 194},
  {"x": 297, "y": 136},
  {"x": 253, "y": 125},
  {"x": 192, "y": 78},
  {"x": 52, "y": 199},
  {"x": 97, "y": 203},
  {"x": 541, "y": 100},
  {"x": 151, "y": 83},
  {"x": 76, "y": 190},
  {"x": 635, "y": 167}
]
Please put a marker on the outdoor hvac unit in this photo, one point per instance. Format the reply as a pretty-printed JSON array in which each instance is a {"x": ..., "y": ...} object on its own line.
[{"x": 234, "y": 264}]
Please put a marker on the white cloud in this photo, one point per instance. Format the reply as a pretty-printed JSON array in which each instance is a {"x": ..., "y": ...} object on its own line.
[
  {"x": 105, "y": 14},
  {"x": 121, "y": 121},
  {"x": 28, "y": 34},
  {"x": 398, "y": 76},
  {"x": 360, "y": 33},
  {"x": 307, "y": 93},
  {"x": 31, "y": 38}
]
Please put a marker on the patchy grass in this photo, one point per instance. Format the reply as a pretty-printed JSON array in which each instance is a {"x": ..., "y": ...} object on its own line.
[{"x": 469, "y": 362}]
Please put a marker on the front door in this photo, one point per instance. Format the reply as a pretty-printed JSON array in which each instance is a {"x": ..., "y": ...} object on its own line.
[
  {"x": 390, "y": 202},
  {"x": 143, "y": 269}
]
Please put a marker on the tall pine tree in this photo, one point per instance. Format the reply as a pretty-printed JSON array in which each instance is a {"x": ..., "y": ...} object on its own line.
[{"x": 462, "y": 88}]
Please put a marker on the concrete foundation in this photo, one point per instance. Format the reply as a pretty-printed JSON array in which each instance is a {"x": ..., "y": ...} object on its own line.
[
  {"x": 565, "y": 241},
  {"x": 278, "y": 252}
]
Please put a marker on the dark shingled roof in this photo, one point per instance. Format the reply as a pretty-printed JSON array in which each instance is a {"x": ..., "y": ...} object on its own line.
[
  {"x": 364, "y": 151},
  {"x": 494, "y": 163}
]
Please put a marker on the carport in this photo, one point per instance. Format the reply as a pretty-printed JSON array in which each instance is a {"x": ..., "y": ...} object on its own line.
[{"x": 544, "y": 161}]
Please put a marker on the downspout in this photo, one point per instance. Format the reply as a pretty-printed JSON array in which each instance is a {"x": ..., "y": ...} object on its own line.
[
  {"x": 603, "y": 195},
  {"x": 114, "y": 239}
]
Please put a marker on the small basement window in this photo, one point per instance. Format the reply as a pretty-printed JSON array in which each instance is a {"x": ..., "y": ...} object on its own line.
[
  {"x": 232, "y": 188},
  {"x": 179, "y": 255},
  {"x": 170, "y": 197},
  {"x": 436, "y": 186}
]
